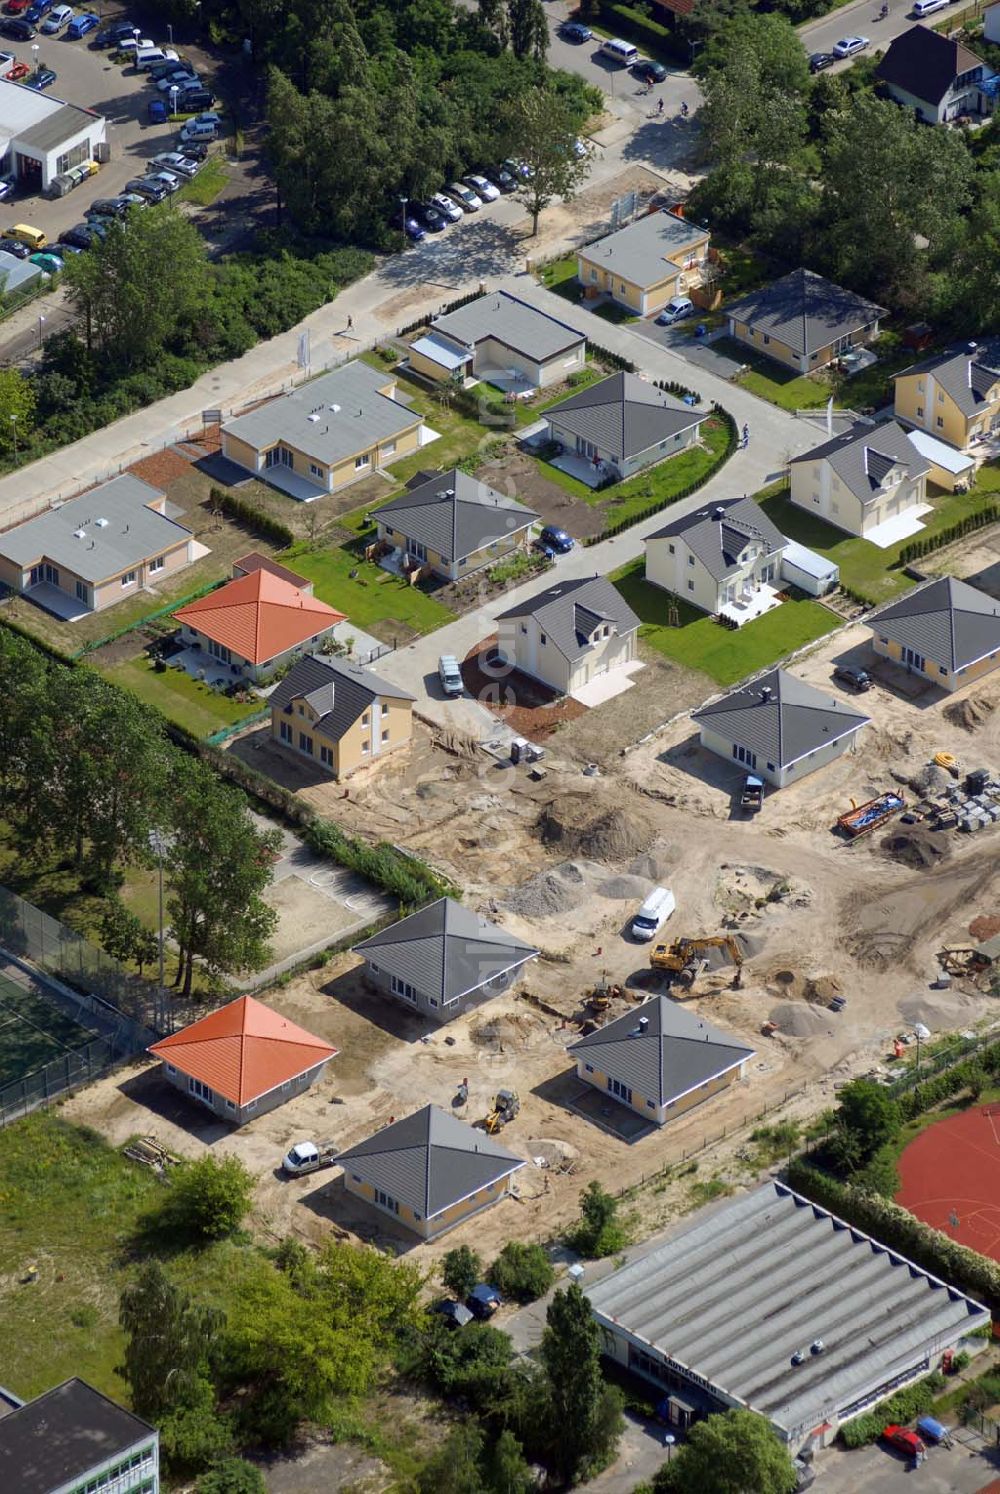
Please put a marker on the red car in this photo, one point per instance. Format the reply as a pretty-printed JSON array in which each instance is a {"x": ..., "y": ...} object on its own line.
[
  {"x": 17, "y": 72},
  {"x": 16, "y": 7},
  {"x": 904, "y": 1441}
]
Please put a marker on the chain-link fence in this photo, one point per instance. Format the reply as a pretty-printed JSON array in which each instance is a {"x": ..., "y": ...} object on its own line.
[{"x": 68, "y": 1071}]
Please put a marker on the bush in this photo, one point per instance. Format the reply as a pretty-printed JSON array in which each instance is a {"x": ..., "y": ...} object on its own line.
[
  {"x": 208, "y": 1200},
  {"x": 902, "y": 1407},
  {"x": 522, "y": 1272},
  {"x": 233, "y": 1476},
  {"x": 254, "y": 518},
  {"x": 461, "y": 1269},
  {"x": 654, "y": 38},
  {"x": 600, "y": 1232}
]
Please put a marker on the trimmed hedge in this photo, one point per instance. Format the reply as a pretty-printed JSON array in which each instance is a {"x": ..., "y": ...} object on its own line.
[
  {"x": 679, "y": 391},
  {"x": 245, "y": 513},
  {"x": 141, "y": 622},
  {"x": 634, "y": 26},
  {"x": 732, "y": 440},
  {"x": 893, "y": 1226},
  {"x": 906, "y": 1405},
  {"x": 989, "y": 514},
  {"x": 423, "y": 321},
  {"x": 614, "y": 360}
]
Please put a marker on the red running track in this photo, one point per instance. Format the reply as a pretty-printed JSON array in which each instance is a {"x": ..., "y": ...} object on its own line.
[{"x": 950, "y": 1178}]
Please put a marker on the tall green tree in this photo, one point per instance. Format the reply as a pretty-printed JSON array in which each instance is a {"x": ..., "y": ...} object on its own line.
[
  {"x": 218, "y": 866},
  {"x": 528, "y": 28},
  {"x": 541, "y": 133},
  {"x": 208, "y": 1199},
  {"x": 169, "y": 1344},
  {"x": 17, "y": 410},
  {"x": 585, "y": 1413},
  {"x": 461, "y": 1269},
  {"x": 24, "y": 685},
  {"x": 456, "y": 1467},
  {"x": 866, "y": 1118},
  {"x": 732, "y": 1453},
  {"x": 126, "y": 937}
]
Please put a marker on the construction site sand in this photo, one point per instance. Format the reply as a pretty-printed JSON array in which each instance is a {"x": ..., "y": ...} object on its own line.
[
  {"x": 594, "y": 824},
  {"x": 942, "y": 1011},
  {"x": 624, "y": 886},
  {"x": 799, "y": 1019},
  {"x": 555, "y": 890}
]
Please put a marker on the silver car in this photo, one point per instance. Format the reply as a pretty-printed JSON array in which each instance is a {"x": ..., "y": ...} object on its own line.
[
  {"x": 465, "y": 197},
  {"x": 483, "y": 188},
  {"x": 444, "y": 204}
]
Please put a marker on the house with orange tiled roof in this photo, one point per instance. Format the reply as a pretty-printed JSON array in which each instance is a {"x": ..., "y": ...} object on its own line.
[
  {"x": 242, "y": 1060},
  {"x": 256, "y": 623}
]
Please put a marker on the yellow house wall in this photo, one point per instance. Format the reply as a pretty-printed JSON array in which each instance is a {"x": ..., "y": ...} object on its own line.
[
  {"x": 421, "y": 364},
  {"x": 10, "y": 574},
  {"x": 955, "y": 428},
  {"x": 599, "y": 1080},
  {"x": 240, "y": 452},
  {"x": 447, "y": 1219},
  {"x": 893, "y": 651},
  {"x": 772, "y": 349},
  {"x": 348, "y": 754}
]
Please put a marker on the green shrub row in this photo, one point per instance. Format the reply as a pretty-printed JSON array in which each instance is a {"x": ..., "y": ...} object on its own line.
[
  {"x": 988, "y": 514},
  {"x": 732, "y": 440},
  {"x": 248, "y": 514},
  {"x": 634, "y": 26},
  {"x": 857, "y": 596},
  {"x": 422, "y": 321},
  {"x": 613, "y": 360},
  {"x": 679, "y": 391},
  {"x": 951, "y": 1081},
  {"x": 904, "y": 1406},
  {"x": 893, "y": 1226}
]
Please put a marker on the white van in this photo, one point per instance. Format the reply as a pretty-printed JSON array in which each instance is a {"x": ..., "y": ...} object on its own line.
[
  {"x": 653, "y": 914},
  {"x": 927, "y": 8},
  {"x": 619, "y": 51},
  {"x": 194, "y": 129}
]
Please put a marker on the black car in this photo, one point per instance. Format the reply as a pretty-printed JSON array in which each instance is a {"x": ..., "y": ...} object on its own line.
[
  {"x": 576, "y": 31},
  {"x": 820, "y": 60},
  {"x": 80, "y": 237},
  {"x": 195, "y": 150},
  {"x": 110, "y": 207},
  {"x": 164, "y": 69},
  {"x": 15, "y": 247},
  {"x": 143, "y": 187},
  {"x": 428, "y": 216},
  {"x": 850, "y": 674},
  {"x": 17, "y": 28},
  {"x": 501, "y": 178},
  {"x": 649, "y": 71},
  {"x": 191, "y": 100},
  {"x": 111, "y": 35}
]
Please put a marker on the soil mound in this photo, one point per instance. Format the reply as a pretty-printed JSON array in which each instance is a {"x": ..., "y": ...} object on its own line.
[
  {"x": 971, "y": 713},
  {"x": 593, "y": 825},
  {"x": 809, "y": 990},
  {"x": 555, "y": 891},
  {"x": 930, "y": 781},
  {"x": 655, "y": 864},
  {"x": 512, "y": 1030},
  {"x": 624, "y": 887},
  {"x": 799, "y": 1019},
  {"x": 940, "y": 1010},
  {"x": 916, "y": 847}
]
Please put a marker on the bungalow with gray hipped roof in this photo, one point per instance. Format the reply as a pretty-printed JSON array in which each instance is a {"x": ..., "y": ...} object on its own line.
[
  {"x": 429, "y": 1171},
  {"x": 454, "y": 524},
  {"x": 803, "y": 321},
  {"x": 619, "y": 426},
  {"x": 779, "y": 727},
  {"x": 502, "y": 339},
  {"x": 946, "y": 630}
]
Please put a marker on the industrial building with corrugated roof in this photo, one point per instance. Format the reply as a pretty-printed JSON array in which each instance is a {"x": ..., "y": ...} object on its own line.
[{"x": 775, "y": 1305}]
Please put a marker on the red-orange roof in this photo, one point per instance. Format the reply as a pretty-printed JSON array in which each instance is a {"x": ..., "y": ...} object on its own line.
[
  {"x": 243, "y": 1050},
  {"x": 259, "y": 616}
]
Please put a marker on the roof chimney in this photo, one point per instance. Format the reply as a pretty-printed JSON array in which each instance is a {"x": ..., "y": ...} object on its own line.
[
  {"x": 765, "y": 693},
  {"x": 643, "y": 1024},
  {"x": 719, "y": 513}
]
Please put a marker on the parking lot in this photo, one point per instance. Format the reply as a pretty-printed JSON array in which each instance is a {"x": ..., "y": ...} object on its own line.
[{"x": 88, "y": 78}]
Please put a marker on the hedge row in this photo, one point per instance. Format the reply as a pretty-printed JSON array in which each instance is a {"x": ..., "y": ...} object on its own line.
[
  {"x": 978, "y": 520},
  {"x": 679, "y": 391},
  {"x": 614, "y": 360},
  {"x": 252, "y": 517},
  {"x": 952, "y": 1081},
  {"x": 634, "y": 26},
  {"x": 732, "y": 440},
  {"x": 906, "y": 1405},
  {"x": 422, "y": 321},
  {"x": 893, "y": 1226},
  {"x": 147, "y": 617}
]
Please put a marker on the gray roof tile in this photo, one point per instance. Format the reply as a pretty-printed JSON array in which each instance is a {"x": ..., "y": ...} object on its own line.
[
  {"x": 780, "y": 718},
  {"x": 805, "y": 311},
  {"x": 68, "y": 1431},
  {"x": 925, "y": 64},
  {"x": 623, "y": 415},
  {"x": 339, "y": 691},
  {"x": 676, "y": 1051},
  {"x": 445, "y": 950},
  {"x": 771, "y": 1273},
  {"x": 863, "y": 456},
  {"x": 522, "y": 328},
  {"x": 946, "y": 621},
  {"x": 967, "y": 375},
  {"x": 455, "y": 514},
  {"x": 561, "y": 609},
  {"x": 718, "y": 534},
  {"x": 639, "y": 252},
  {"x": 430, "y": 1160}
]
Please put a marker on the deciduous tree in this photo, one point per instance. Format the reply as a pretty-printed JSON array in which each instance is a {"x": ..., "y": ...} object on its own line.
[
  {"x": 461, "y": 1268},
  {"x": 732, "y": 1453},
  {"x": 169, "y": 1344},
  {"x": 542, "y": 131},
  {"x": 585, "y": 1413}
]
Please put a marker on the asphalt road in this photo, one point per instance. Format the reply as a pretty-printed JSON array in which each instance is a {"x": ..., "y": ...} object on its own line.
[{"x": 860, "y": 19}]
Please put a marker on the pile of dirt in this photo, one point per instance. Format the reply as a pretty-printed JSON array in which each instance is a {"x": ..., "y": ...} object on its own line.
[
  {"x": 970, "y": 713},
  {"x": 812, "y": 990},
  {"x": 930, "y": 781},
  {"x": 511, "y": 1030},
  {"x": 555, "y": 891},
  {"x": 799, "y": 1019},
  {"x": 747, "y": 889},
  {"x": 656, "y": 864},
  {"x": 624, "y": 886},
  {"x": 916, "y": 847},
  {"x": 986, "y": 926},
  {"x": 940, "y": 1010},
  {"x": 593, "y": 825}
]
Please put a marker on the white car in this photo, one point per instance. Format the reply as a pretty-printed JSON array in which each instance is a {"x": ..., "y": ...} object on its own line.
[
  {"x": 179, "y": 80},
  {"x": 209, "y": 117},
  {"x": 451, "y": 210},
  {"x": 174, "y": 162},
  {"x": 465, "y": 197},
  {"x": 482, "y": 187},
  {"x": 848, "y": 45},
  {"x": 56, "y": 19},
  {"x": 129, "y": 44}
]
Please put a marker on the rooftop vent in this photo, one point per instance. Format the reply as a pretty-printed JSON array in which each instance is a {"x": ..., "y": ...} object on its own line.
[
  {"x": 817, "y": 1346},
  {"x": 643, "y": 1024},
  {"x": 765, "y": 693},
  {"x": 80, "y": 534},
  {"x": 798, "y": 1357},
  {"x": 101, "y": 523},
  {"x": 312, "y": 416},
  {"x": 335, "y": 409}
]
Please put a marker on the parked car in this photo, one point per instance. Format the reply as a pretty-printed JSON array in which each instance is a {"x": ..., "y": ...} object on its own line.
[
  {"x": 903, "y": 1440},
  {"x": 17, "y": 72},
  {"x": 454, "y": 1314},
  {"x": 520, "y": 170},
  {"x": 18, "y": 29},
  {"x": 450, "y": 675},
  {"x": 170, "y": 64},
  {"x": 465, "y": 197},
  {"x": 158, "y": 111},
  {"x": 43, "y": 78},
  {"x": 130, "y": 44},
  {"x": 172, "y": 160},
  {"x": 850, "y": 674},
  {"x": 483, "y": 1300},
  {"x": 7, "y": 185},
  {"x": 482, "y": 188},
  {"x": 57, "y": 19},
  {"x": 192, "y": 130},
  {"x": 849, "y": 45},
  {"x": 209, "y": 116},
  {"x": 108, "y": 207},
  {"x": 81, "y": 24},
  {"x": 144, "y": 187},
  {"x": 36, "y": 10},
  {"x": 19, "y": 251},
  {"x": 414, "y": 231},
  {"x": 675, "y": 310},
  {"x": 24, "y": 233},
  {"x": 110, "y": 36},
  {"x": 429, "y": 216},
  {"x": 649, "y": 71},
  {"x": 446, "y": 207},
  {"x": 80, "y": 236},
  {"x": 16, "y": 7},
  {"x": 181, "y": 78},
  {"x": 556, "y": 539},
  {"x": 172, "y": 180},
  {"x": 576, "y": 31},
  {"x": 820, "y": 60},
  {"x": 195, "y": 150},
  {"x": 48, "y": 260},
  {"x": 194, "y": 98},
  {"x": 503, "y": 178}
]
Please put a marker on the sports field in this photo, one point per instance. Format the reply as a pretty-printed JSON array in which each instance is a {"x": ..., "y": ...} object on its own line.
[
  {"x": 950, "y": 1178},
  {"x": 33, "y": 1031}
]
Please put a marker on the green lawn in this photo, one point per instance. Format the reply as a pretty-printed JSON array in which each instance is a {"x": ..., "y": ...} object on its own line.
[
  {"x": 188, "y": 702},
  {"x": 868, "y": 389},
  {"x": 610, "y": 311},
  {"x": 457, "y": 434},
  {"x": 560, "y": 277},
  {"x": 211, "y": 181},
  {"x": 864, "y": 568},
  {"x": 374, "y": 599},
  {"x": 700, "y": 643}
]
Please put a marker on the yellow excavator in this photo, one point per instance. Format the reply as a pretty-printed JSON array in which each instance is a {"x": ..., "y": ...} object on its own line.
[
  {"x": 506, "y": 1104},
  {"x": 681, "y": 959}
]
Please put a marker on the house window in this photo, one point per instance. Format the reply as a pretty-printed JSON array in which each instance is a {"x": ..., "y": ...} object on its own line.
[
  {"x": 400, "y": 987},
  {"x": 170, "y": 1068},
  {"x": 744, "y": 755},
  {"x": 81, "y": 591},
  {"x": 230, "y": 1105},
  {"x": 524, "y": 627},
  {"x": 650, "y": 1105},
  {"x": 366, "y": 747},
  {"x": 593, "y": 274},
  {"x": 362, "y": 461},
  {"x": 305, "y": 743},
  {"x": 690, "y": 560},
  {"x": 156, "y": 565},
  {"x": 417, "y": 549},
  {"x": 129, "y": 578},
  {"x": 542, "y": 639},
  {"x": 920, "y": 412},
  {"x": 326, "y": 755},
  {"x": 588, "y": 1068},
  {"x": 940, "y": 422},
  {"x": 434, "y": 1001},
  {"x": 671, "y": 549},
  {"x": 621, "y": 287},
  {"x": 920, "y": 386},
  {"x": 940, "y": 398},
  {"x": 386, "y": 1201},
  {"x": 388, "y": 447},
  {"x": 766, "y": 339},
  {"x": 385, "y": 708},
  {"x": 285, "y": 731},
  {"x": 620, "y": 1091},
  {"x": 366, "y": 719},
  {"x": 200, "y": 1091},
  {"x": 690, "y": 586},
  {"x": 315, "y": 470},
  {"x": 385, "y": 735}
]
